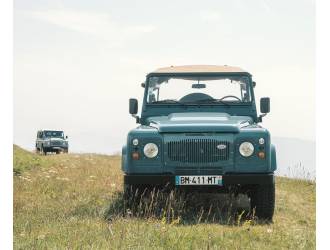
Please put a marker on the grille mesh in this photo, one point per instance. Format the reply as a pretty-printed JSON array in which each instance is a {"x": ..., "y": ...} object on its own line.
[
  {"x": 198, "y": 150},
  {"x": 56, "y": 143}
]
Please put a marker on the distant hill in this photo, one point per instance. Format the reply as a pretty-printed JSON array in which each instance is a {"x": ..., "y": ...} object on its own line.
[{"x": 295, "y": 157}]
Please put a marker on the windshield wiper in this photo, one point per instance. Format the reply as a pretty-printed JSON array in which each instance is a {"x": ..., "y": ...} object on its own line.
[{"x": 212, "y": 101}]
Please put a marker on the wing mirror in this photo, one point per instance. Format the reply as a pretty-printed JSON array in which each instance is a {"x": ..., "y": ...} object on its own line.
[
  {"x": 133, "y": 108},
  {"x": 264, "y": 107},
  {"x": 66, "y": 137}
]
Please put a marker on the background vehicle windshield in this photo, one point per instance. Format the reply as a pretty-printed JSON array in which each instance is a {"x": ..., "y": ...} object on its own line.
[
  {"x": 59, "y": 134},
  {"x": 191, "y": 89}
]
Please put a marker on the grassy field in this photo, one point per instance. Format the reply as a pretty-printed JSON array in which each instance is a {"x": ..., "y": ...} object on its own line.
[{"x": 75, "y": 201}]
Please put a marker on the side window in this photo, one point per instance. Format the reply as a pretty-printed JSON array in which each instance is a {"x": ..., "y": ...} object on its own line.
[{"x": 38, "y": 135}]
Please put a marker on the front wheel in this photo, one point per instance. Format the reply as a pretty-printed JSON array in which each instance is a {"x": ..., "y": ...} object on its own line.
[{"x": 263, "y": 201}]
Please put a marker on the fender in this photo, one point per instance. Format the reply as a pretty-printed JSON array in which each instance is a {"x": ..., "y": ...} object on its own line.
[
  {"x": 124, "y": 158},
  {"x": 273, "y": 164}
]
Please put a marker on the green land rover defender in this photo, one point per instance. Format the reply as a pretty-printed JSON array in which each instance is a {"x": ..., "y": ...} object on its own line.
[{"x": 199, "y": 130}]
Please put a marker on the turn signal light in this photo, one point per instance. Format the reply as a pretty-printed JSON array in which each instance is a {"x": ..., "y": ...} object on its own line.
[
  {"x": 261, "y": 155},
  {"x": 135, "y": 156}
]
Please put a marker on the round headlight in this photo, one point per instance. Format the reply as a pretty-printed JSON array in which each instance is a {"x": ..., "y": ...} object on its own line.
[
  {"x": 135, "y": 142},
  {"x": 150, "y": 150},
  {"x": 246, "y": 149}
]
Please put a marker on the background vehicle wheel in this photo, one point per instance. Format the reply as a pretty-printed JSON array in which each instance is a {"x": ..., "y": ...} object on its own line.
[
  {"x": 263, "y": 201},
  {"x": 42, "y": 151}
]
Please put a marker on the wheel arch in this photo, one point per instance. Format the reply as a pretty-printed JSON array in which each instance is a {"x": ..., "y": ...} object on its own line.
[
  {"x": 124, "y": 158},
  {"x": 273, "y": 163}
]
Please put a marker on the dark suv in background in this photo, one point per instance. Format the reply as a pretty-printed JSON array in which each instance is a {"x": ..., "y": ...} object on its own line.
[{"x": 51, "y": 141}]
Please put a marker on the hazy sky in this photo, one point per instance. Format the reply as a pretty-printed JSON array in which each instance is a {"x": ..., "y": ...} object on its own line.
[{"x": 78, "y": 62}]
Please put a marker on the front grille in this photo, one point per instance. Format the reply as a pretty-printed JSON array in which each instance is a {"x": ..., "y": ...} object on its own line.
[
  {"x": 56, "y": 143},
  {"x": 198, "y": 150}
]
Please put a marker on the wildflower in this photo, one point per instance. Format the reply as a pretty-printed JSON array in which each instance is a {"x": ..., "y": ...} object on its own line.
[
  {"x": 25, "y": 178},
  {"x": 269, "y": 230},
  {"x": 41, "y": 237},
  {"x": 62, "y": 179},
  {"x": 129, "y": 213}
]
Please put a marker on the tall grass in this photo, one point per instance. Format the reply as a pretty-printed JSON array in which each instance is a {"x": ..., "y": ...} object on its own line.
[
  {"x": 76, "y": 201},
  {"x": 180, "y": 208}
]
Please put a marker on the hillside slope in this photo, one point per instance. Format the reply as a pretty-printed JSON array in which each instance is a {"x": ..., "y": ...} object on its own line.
[{"x": 75, "y": 201}]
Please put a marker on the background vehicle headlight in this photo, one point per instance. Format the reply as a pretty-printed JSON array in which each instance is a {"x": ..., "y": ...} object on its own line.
[
  {"x": 246, "y": 149},
  {"x": 150, "y": 150}
]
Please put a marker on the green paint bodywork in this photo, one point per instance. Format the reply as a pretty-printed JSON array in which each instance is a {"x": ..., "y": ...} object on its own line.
[{"x": 161, "y": 123}]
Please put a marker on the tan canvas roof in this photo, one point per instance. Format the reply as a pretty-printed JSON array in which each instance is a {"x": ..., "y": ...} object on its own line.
[{"x": 200, "y": 69}]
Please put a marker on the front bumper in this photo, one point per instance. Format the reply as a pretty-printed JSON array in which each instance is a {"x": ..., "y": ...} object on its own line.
[
  {"x": 55, "y": 148},
  {"x": 227, "y": 179}
]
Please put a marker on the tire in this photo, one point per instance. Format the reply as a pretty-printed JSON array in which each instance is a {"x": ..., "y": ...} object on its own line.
[
  {"x": 127, "y": 191},
  {"x": 135, "y": 192},
  {"x": 130, "y": 191},
  {"x": 263, "y": 201},
  {"x": 42, "y": 151}
]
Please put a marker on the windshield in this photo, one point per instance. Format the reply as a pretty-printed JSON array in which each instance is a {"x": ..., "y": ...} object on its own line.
[
  {"x": 198, "y": 90},
  {"x": 58, "y": 134}
]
